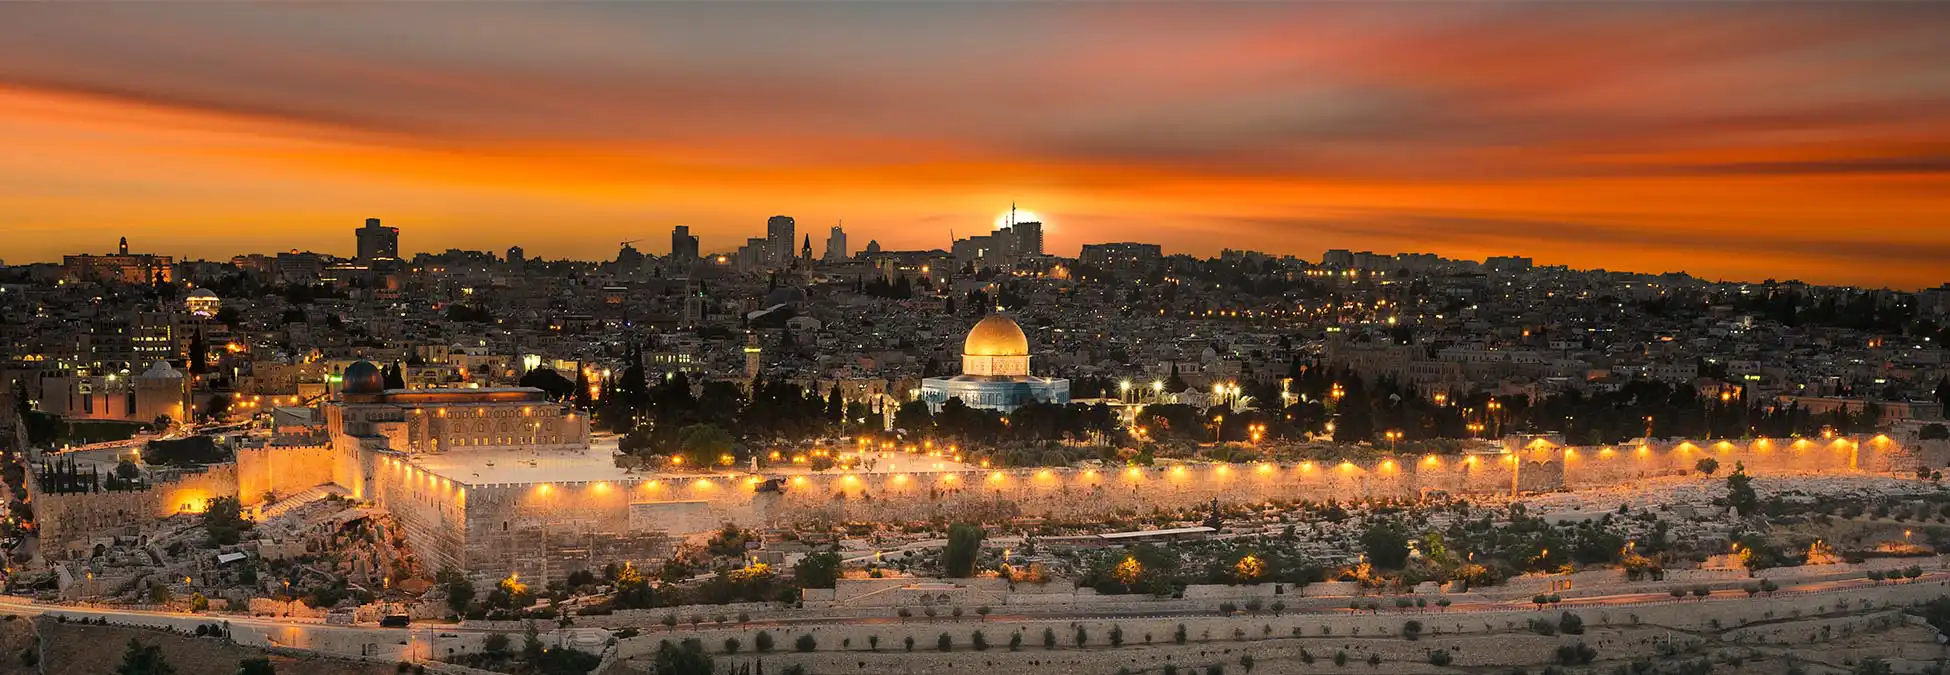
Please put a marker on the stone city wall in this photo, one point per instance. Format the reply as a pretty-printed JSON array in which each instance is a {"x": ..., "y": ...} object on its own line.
[
  {"x": 70, "y": 520},
  {"x": 546, "y": 531},
  {"x": 431, "y": 510},
  {"x": 521, "y": 527},
  {"x": 281, "y": 470},
  {"x": 1074, "y": 493}
]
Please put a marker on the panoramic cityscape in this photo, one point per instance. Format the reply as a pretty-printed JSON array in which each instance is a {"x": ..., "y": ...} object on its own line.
[{"x": 658, "y": 339}]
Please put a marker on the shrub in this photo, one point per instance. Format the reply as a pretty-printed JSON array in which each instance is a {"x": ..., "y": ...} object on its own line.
[
  {"x": 1178, "y": 634},
  {"x": 909, "y": 642},
  {"x": 1228, "y": 607},
  {"x": 1082, "y": 637},
  {"x": 805, "y": 643},
  {"x": 1570, "y": 624},
  {"x": 1253, "y": 606},
  {"x": 1116, "y": 635},
  {"x": 979, "y": 641},
  {"x": 762, "y": 642},
  {"x": 1049, "y": 638},
  {"x": 1340, "y": 658},
  {"x": 1412, "y": 630},
  {"x": 1578, "y": 654},
  {"x": 873, "y": 643},
  {"x": 496, "y": 643},
  {"x": 1374, "y": 660},
  {"x": 1278, "y": 606},
  {"x": 1439, "y": 657},
  {"x": 731, "y": 645},
  {"x": 1247, "y": 662},
  {"x": 1015, "y": 641}
]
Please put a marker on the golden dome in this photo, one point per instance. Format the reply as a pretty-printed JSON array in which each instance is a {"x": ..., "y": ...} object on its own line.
[{"x": 996, "y": 335}]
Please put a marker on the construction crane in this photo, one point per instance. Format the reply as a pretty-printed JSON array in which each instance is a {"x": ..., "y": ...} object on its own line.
[{"x": 627, "y": 243}]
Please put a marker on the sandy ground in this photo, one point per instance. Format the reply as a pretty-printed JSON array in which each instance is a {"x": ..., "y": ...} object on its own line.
[
  {"x": 73, "y": 649},
  {"x": 16, "y": 636},
  {"x": 1851, "y": 639}
]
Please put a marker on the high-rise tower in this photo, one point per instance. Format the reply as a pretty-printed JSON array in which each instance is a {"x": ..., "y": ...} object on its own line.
[
  {"x": 778, "y": 240},
  {"x": 377, "y": 242},
  {"x": 836, "y": 245}
]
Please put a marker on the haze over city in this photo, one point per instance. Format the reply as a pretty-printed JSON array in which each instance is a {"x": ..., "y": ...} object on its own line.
[{"x": 1732, "y": 141}]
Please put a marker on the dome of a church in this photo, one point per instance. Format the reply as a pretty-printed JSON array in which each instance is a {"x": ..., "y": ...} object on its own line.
[
  {"x": 363, "y": 378},
  {"x": 996, "y": 335}
]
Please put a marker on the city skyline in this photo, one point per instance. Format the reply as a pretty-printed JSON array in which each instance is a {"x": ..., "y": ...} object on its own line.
[{"x": 1782, "y": 142}]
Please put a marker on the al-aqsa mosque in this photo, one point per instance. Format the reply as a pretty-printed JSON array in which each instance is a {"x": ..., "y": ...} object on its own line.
[{"x": 995, "y": 372}]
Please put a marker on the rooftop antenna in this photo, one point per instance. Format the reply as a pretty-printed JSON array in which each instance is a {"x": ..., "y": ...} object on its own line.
[{"x": 1012, "y": 213}]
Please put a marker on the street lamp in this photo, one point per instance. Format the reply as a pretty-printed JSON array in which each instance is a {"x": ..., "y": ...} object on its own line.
[
  {"x": 1124, "y": 391},
  {"x": 1393, "y": 436}
]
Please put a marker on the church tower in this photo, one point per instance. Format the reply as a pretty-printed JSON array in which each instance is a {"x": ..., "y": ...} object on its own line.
[{"x": 752, "y": 362}]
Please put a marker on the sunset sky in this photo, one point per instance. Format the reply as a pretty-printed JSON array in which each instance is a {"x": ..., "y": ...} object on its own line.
[{"x": 1732, "y": 140}]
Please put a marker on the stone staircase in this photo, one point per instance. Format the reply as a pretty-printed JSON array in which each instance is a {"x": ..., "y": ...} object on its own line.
[{"x": 298, "y": 499}]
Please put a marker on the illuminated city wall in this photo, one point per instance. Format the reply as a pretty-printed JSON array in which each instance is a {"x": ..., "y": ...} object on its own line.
[
  {"x": 545, "y": 531},
  {"x": 429, "y": 509},
  {"x": 70, "y": 521},
  {"x": 1070, "y": 493},
  {"x": 282, "y": 470}
]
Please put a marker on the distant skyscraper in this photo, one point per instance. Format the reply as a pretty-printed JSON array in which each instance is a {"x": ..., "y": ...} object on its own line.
[
  {"x": 683, "y": 249},
  {"x": 629, "y": 259},
  {"x": 377, "y": 242},
  {"x": 836, "y": 245},
  {"x": 1029, "y": 239},
  {"x": 778, "y": 237},
  {"x": 751, "y": 256}
]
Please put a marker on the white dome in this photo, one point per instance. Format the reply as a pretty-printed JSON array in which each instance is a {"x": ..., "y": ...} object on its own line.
[{"x": 161, "y": 371}]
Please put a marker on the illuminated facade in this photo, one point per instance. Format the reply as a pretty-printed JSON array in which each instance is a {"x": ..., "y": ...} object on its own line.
[
  {"x": 995, "y": 372},
  {"x": 121, "y": 267}
]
